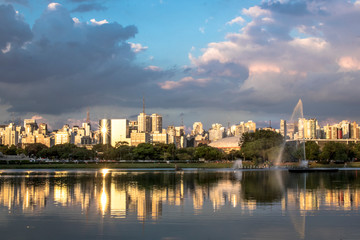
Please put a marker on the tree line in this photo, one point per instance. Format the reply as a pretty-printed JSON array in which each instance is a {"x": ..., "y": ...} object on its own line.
[
  {"x": 264, "y": 145},
  {"x": 259, "y": 147},
  {"x": 122, "y": 151}
]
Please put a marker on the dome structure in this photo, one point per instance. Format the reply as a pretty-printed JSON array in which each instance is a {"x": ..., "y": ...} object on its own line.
[{"x": 227, "y": 144}]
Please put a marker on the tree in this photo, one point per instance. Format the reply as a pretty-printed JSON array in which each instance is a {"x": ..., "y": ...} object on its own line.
[
  {"x": 208, "y": 153},
  {"x": 144, "y": 151},
  {"x": 260, "y": 144},
  {"x": 336, "y": 151},
  {"x": 34, "y": 148},
  {"x": 312, "y": 150}
]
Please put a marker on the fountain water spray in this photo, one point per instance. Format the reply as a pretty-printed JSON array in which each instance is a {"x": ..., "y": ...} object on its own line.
[{"x": 296, "y": 115}]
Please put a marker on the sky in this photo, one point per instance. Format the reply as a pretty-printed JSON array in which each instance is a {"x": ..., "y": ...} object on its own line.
[{"x": 214, "y": 61}]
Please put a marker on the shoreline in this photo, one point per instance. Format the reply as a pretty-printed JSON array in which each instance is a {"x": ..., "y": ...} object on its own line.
[{"x": 136, "y": 165}]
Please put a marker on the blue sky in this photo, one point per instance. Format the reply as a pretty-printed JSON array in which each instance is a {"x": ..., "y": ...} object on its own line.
[
  {"x": 164, "y": 27},
  {"x": 210, "y": 61}
]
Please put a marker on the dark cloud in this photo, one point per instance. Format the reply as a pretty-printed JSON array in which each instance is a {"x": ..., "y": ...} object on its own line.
[
  {"x": 293, "y": 8},
  {"x": 89, "y": 7},
  {"x": 21, "y": 2},
  {"x": 68, "y": 65},
  {"x": 13, "y": 30}
]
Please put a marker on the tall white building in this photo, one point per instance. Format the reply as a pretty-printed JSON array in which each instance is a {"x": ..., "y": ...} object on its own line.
[
  {"x": 197, "y": 129},
  {"x": 105, "y": 131},
  {"x": 156, "y": 123},
  {"x": 119, "y": 131}
]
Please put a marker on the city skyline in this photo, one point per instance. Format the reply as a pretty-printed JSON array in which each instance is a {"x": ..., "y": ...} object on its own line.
[{"x": 193, "y": 61}]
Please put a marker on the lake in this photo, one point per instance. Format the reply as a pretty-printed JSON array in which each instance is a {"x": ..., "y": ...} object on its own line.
[{"x": 189, "y": 204}]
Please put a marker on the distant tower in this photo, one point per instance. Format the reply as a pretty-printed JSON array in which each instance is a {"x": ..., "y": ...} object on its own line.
[
  {"x": 88, "y": 116},
  {"x": 144, "y": 121},
  {"x": 143, "y": 105}
]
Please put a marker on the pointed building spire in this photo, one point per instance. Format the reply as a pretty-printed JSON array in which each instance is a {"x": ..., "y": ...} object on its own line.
[
  {"x": 88, "y": 116},
  {"x": 143, "y": 104}
]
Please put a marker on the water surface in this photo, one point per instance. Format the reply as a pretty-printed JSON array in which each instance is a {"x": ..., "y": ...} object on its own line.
[{"x": 163, "y": 204}]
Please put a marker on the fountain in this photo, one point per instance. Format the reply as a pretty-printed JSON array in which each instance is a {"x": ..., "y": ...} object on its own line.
[
  {"x": 296, "y": 115},
  {"x": 237, "y": 164}
]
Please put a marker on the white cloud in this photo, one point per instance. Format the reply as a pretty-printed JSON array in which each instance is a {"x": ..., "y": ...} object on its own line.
[
  {"x": 94, "y": 22},
  {"x": 153, "y": 68},
  {"x": 53, "y": 6},
  {"x": 76, "y": 20},
  {"x": 255, "y": 12},
  {"x": 238, "y": 20},
  {"x": 7, "y": 48},
  {"x": 202, "y": 30},
  {"x": 348, "y": 63},
  {"x": 137, "y": 47},
  {"x": 309, "y": 43}
]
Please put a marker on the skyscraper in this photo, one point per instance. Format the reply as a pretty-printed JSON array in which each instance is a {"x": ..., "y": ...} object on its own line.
[
  {"x": 283, "y": 128},
  {"x": 156, "y": 123},
  {"x": 105, "y": 129},
  {"x": 119, "y": 131}
]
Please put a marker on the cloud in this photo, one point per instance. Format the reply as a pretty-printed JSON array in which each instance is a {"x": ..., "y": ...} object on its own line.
[
  {"x": 238, "y": 20},
  {"x": 21, "y": 2},
  {"x": 348, "y": 63},
  {"x": 94, "y": 22},
  {"x": 137, "y": 47},
  {"x": 62, "y": 65},
  {"x": 288, "y": 50},
  {"x": 153, "y": 68},
  {"x": 168, "y": 85},
  {"x": 255, "y": 11},
  {"x": 53, "y": 6},
  {"x": 89, "y": 7},
  {"x": 14, "y": 32}
]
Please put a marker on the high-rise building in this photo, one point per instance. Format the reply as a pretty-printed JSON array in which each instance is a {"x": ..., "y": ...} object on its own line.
[
  {"x": 354, "y": 130},
  {"x": 216, "y": 132},
  {"x": 43, "y": 129},
  {"x": 345, "y": 129},
  {"x": 310, "y": 126},
  {"x": 119, "y": 131},
  {"x": 251, "y": 126},
  {"x": 105, "y": 129},
  {"x": 144, "y": 123},
  {"x": 11, "y": 135},
  {"x": 63, "y": 135},
  {"x": 156, "y": 123},
  {"x": 283, "y": 128},
  {"x": 197, "y": 129}
]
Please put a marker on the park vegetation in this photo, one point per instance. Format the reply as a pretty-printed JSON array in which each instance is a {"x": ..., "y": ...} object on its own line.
[
  {"x": 122, "y": 151},
  {"x": 258, "y": 147}
]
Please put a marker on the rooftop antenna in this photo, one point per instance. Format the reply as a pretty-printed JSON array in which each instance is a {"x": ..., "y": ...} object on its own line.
[
  {"x": 143, "y": 104},
  {"x": 88, "y": 116}
]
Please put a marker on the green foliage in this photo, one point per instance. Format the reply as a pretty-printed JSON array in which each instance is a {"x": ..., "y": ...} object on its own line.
[
  {"x": 337, "y": 151},
  {"x": 145, "y": 151},
  {"x": 34, "y": 149},
  {"x": 260, "y": 145},
  {"x": 312, "y": 150},
  {"x": 208, "y": 153},
  {"x": 66, "y": 151},
  {"x": 11, "y": 150}
]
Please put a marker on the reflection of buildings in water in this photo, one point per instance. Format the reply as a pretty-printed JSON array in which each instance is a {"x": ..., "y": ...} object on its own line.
[
  {"x": 115, "y": 198},
  {"x": 22, "y": 196}
]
